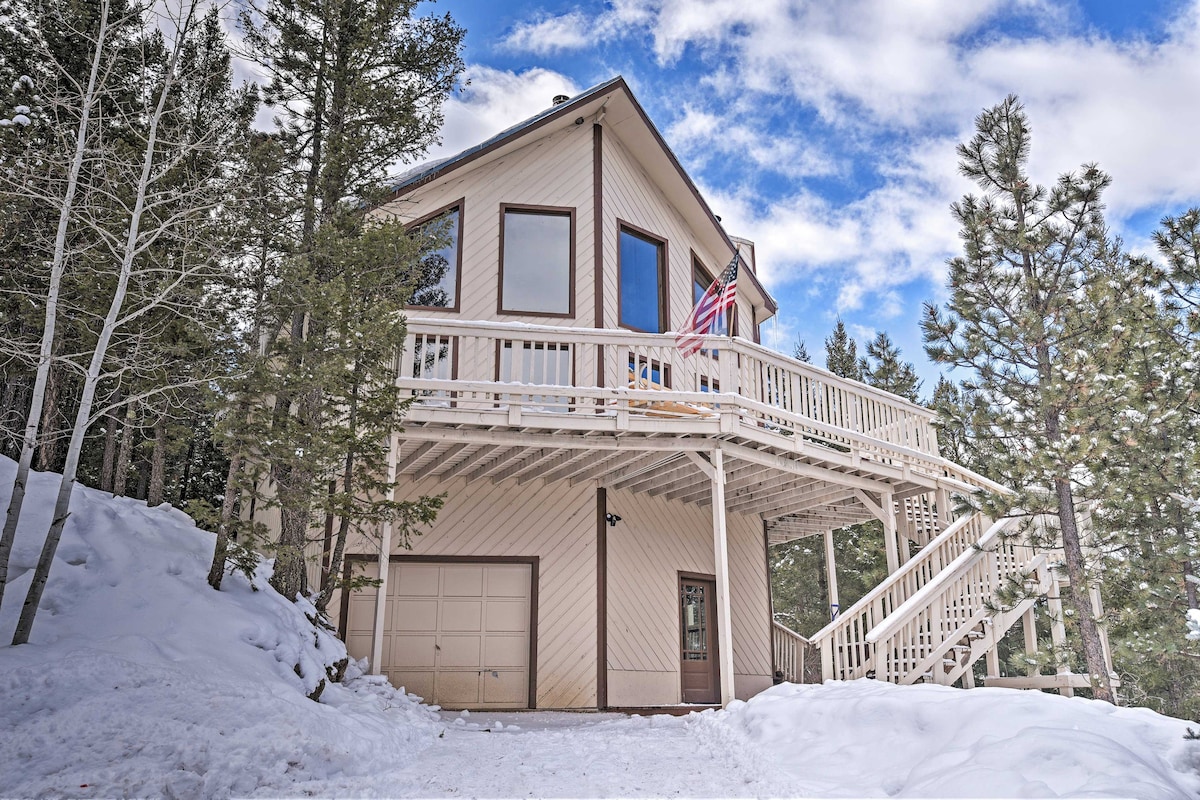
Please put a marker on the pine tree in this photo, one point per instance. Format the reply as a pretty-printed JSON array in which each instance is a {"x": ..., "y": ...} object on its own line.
[
  {"x": 800, "y": 351},
  {"x": 841, "y": 354},
  {"x": 883, "y": 369},
  {"x": 359, "y": 86},
  {"x": 1029, "y": 316}
]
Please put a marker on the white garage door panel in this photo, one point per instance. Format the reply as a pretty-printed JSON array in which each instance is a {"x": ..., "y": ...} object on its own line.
[
  {"x": 462, "y": 581},
  {"x": 504, "y": 688},
  {"x": 420, "y": 580},
  {"x": 412, "y": 615},
  {"x": 419, "y": 683},
  {"x": 455, "y": 634},
  {"x": 461, "y": 615},
  {"x": 507, "y": 616},
  {"x": 411, "y": 650},
  {"x": 508, "y": 583},
  {"x": 505, "y": 651}
]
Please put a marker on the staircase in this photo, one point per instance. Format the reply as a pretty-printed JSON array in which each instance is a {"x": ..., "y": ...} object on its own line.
[{"x": 932, "y": 618}]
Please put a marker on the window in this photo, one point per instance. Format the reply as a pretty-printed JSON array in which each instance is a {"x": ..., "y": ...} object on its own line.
[
  {"x": 701, "y": 280},
  {"x": 537, "y": 261},
  {"x": 642, "y": 264},
  {"x": 438, "y": 276}
]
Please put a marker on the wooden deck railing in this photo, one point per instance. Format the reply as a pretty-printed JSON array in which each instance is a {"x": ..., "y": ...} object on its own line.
[{"x": 538, "y": 369}]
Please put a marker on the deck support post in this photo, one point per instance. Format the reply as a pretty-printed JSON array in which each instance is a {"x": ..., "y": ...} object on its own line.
[
  {"x": 831, "y": 577},
  {"x": 945, "y": 511},
  {"x": 715, "y": 468},
  {"x": 1058, "y": 628},
  {"x": 889, "y": 531},
  {"x": 385, "y": 560},
  {"x": 1028, "y": 622}
]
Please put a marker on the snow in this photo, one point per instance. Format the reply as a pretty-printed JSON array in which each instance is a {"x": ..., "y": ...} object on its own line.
[{"x": 142, "y": 681}]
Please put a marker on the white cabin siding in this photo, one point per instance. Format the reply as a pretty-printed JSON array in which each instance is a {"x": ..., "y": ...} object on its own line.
[
  {"x": 630, "y": 196},
  {"x": 555, "y": 170},
  {"x": 555, "y": 523},
  {"x": 655, "y": 540}
]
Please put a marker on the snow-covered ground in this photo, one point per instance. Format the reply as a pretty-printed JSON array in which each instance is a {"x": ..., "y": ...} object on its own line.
[{"x": 142, "y": 681}]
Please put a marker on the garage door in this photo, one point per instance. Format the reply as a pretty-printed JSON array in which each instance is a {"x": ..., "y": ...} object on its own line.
[{"x": 455, "y": 634}]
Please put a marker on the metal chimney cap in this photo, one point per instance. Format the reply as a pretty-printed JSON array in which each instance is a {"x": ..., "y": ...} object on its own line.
[{"x": 559, "y": 99}]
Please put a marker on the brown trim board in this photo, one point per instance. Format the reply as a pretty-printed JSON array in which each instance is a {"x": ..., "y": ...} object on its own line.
[
  {"x": 770, "y": 598},
  {"x": 601, "y": 598},
  {"x": 598, "y": 238},
  {"x": 534, "y": 566}
]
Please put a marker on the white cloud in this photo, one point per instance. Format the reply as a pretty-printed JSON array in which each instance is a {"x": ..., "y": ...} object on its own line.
[
  {"x": 901, "y": 84},
  {"x": 494, "y": 101},
  {"x": 703, "y": 135},
  {"x": 546, "y": 35}
]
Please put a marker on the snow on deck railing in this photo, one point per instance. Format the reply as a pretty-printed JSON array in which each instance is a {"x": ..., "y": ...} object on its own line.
[{"x": 478, "y": 365}]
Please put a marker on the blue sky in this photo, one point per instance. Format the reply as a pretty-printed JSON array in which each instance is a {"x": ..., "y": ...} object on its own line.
[{"x": 825, "y": 131}]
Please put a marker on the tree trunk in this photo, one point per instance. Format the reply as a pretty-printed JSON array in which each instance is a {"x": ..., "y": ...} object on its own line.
[
  {"x": 290, "y": 578},
  {"x": 187, "y": 464},
  {"x": 1078, "y": 598},
  {"x": 48, "y": 446},
  {"x": 107, "y": 462},
  {"x": 158, "y": 466},
  {"x": 124, "y": 452},
  {"x": 216, "y": 572}
]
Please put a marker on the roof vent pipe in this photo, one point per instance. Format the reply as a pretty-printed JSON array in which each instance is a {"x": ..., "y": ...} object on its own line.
[{"x": 559, "y": 99}]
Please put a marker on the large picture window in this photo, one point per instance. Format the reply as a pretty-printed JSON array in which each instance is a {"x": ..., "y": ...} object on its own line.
[
  {"x": 537, "y": 261},
  {"x": 438, "y": 277},
  {"x": 642, "y": 263}
]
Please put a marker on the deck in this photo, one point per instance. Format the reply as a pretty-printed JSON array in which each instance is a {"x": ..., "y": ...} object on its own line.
[{"x": 804, "y": 449}]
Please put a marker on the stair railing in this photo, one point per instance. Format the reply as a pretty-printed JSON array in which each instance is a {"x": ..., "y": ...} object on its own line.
[
  {"x": 916, "y": 640},
  {"x": 845, "y": 651}
]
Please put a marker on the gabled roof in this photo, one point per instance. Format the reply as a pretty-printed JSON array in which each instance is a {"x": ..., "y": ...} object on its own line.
[{"x": 614, "y": 103}]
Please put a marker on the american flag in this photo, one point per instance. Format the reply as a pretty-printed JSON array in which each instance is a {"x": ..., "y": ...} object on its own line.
[{"x": 706, "y": 318}]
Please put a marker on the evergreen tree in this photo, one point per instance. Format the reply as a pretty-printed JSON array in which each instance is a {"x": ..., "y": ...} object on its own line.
[
  {"x": 800, "y": 351},
  {"x": 1029, "y": 316},
  {"x": 359, "y": 86},
  {"x": 883, "y": 369},
  {"x": 841, "y": 354}
]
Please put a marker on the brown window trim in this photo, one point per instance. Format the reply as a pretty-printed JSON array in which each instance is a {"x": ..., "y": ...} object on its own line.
[
  {"x": 534, "y": 563},
  {"x": 461, "y": 205},
  {"x": 562, "y": 211},
  {"x": 664, "y": 274}
]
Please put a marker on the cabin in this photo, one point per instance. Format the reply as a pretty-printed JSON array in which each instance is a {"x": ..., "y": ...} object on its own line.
[{"x": 610, "y": 500}]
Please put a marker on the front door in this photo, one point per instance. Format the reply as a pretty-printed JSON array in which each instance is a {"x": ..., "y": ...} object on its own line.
[{"x": 698, "y": 641}]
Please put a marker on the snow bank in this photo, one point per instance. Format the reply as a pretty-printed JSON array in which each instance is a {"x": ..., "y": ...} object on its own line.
[
  {"x": 139, "y": 679},
  {"x": 142, "y": 681},
  {"x": 869, "y": 738}
]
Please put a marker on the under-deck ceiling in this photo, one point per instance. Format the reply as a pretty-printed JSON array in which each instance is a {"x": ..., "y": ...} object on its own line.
[{"x": 795, "y": 496}]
